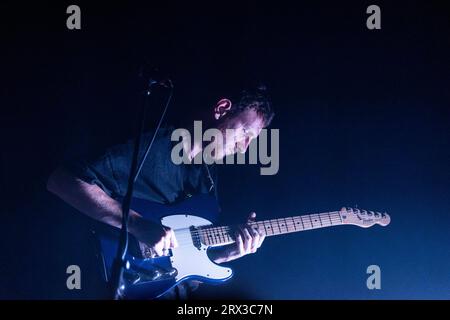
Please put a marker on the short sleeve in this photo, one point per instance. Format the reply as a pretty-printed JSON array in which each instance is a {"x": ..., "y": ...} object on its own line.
[{"x": 95, "y": 171}]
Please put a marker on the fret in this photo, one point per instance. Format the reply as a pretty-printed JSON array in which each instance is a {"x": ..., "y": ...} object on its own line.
[
  {"x": 307, "y": 223},
  {"x": 261, "y": 226},
  {"x": 278, "y": 223},
  {"x": 316, "y": 218},
  {"x": 263, "y": 223},
  {"x": 310, "y": 219},
  {"x": 271, "y": 227},
  {"x": 289, "y": 225},
  {"x": 325, "y": 218},
  {"x": 275, "y": 226},
  {"x": 283, "y": 224},
  {"x": 320, "y": 220},
  {"x": 221, "y": 235},
  {"x": 217, "y": 236},
  {"x": 212, "y": 232},
  {"x": 300, "y": 218},
  {"x": 336, "y": 218},
  {"x": 212, "y": 236},
  {"x": 294, "y": 225},
  {"x": 339, "y": 216},
  {"x": 203, "y": 238},
  {"x": 268, "y": 228},
  {"x": 209, "y": 236},
  {"x": 219, "y": 231},
  {"x": 228, "y": 237},
  {"x": 329, "y": 218}
]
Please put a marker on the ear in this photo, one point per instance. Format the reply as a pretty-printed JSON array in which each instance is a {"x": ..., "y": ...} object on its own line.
[{"x": 221, "y": 108}]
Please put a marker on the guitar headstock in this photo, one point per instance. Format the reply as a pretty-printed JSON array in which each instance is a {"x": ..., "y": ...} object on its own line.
[{"x": 363, "y": 218}]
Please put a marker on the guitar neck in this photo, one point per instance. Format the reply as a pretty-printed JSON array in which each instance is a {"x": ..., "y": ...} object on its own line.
[{"x": 217, "y": 236}]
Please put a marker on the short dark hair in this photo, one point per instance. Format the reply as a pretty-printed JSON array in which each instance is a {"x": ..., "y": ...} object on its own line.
[{"x": 256, "y": 99}]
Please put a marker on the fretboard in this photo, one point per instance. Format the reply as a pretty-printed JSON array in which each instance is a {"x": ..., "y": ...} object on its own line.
[{"x": 217, "y": 236}]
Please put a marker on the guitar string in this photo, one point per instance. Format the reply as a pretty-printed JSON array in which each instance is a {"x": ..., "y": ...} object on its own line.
[
  {"x": 221, "y": 233},
  {"x": 186, "y": 237},
  {"x": 224, "y": 235},
  {"x": 218, "y": 233},
  {"x": 264, "y": 225},
  {"x": 185, "y": 240},
  {"x": 289, "y": 220},
  {"x": 289, "y": 227}
]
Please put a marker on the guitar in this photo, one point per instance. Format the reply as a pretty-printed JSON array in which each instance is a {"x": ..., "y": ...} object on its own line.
[{"x": 149, "y": 278}]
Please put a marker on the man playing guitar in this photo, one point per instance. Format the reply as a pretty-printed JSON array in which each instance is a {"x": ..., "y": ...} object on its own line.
[{"x": 94, "y": 186}]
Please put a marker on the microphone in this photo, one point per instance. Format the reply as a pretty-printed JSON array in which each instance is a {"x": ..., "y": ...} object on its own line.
[
  {"x": 153, "y": 77},
  {"x": 166, "y": 83}
]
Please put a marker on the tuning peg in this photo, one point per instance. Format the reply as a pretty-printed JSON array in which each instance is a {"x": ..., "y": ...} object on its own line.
[{"x": 386, "y": 219}]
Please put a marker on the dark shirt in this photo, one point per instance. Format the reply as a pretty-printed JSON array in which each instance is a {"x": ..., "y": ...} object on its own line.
[{"x": 160, "y": 180}]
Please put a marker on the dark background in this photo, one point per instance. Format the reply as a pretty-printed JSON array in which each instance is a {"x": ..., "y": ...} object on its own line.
[{"x": 363, "y": 118}]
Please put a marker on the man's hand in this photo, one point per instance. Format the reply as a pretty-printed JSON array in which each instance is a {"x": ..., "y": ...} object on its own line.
[
  {"x": 95, "y": 203},
  {"x": 248, "y": 240},
  {"x": 154, "y": 240}
]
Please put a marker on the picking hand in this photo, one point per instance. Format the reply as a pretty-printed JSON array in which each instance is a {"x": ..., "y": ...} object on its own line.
[{"x": 154, "y": 240}]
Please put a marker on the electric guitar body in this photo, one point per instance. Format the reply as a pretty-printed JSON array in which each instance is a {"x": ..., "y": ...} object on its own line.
[
  {"x": 149, "y": 278},
  {"x": 192, "y": 222}
]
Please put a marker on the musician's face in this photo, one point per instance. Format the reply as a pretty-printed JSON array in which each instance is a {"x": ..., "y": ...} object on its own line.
[{"x": 245, "y": 127}]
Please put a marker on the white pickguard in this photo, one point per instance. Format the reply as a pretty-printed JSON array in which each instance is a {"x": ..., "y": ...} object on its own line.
[{"x": 188, "y": 259}]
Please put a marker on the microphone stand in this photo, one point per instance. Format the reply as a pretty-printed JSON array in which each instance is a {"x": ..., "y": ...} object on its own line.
[{"x": 120, "y": 263}]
